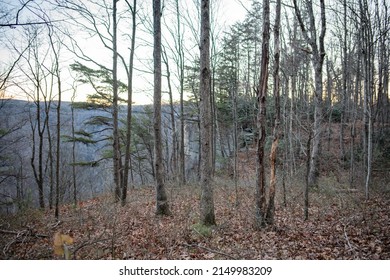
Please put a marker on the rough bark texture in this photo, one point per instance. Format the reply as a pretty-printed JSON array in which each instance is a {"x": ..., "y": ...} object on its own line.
[
  {"x": 162, "y": 206},
  {"x": 275, "y": 141},
  {"x": 260, "y": 197},
  {"x": 207, "y": 216}
]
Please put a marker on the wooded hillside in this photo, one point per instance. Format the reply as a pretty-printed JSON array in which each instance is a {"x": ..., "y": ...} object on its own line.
[{"x": 266, "y": 137}]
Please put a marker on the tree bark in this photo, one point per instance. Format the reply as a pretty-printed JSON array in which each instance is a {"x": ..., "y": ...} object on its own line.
[
  {"x": 307, "y": 186},
  {"x": 260, "y": 196},
  {"x": 180, "y": 64},
  {"x": 127, "y": 165},
  {"x": 116, "y": 144},
  {"x": 275, "y": 141},
  {"x": 73, "y": 150},
  {"x": 172, "y": 160},
  {"x": 162, "y": 206},
  {"x": 207, "y": 215},
  {"x": 58, "y": 148},
  {"x": 368, "y": 70}
]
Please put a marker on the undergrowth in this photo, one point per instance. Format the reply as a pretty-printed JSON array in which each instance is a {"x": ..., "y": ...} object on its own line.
[{"x": 341, "y": 225}]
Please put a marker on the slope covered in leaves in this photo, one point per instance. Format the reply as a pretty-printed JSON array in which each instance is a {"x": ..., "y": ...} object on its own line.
[{"x": 341, "y": 226}]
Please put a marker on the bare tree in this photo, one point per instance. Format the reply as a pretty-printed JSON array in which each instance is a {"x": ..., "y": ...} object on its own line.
[
  {"x": 38, "y": 87},
  {"x": 180, "y": 68},
  {"x": 260, "y": 196},
  {"x": 162, "y": 206},
  {"x": 74, "y": 178},
  {"x": 104, "y": 26},
  {"x": 207, "y": 215},
  {"x": 317, "y": 51},
  {"x": 129, "y": 71},
  {"x": 115, "y": 109},
  {"x": 275, "y": 140},
  {"x": 367, "y": 39},
  {"x": 172, "y": 160},
  {"x": 182, "y": 153}
]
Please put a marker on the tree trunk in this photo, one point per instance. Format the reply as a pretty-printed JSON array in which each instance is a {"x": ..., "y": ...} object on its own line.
[
  {"x": 172, "y": 160},
  {"x": 317, "y": 57},
  {"x": 116, "y": 144},
  {"x": 307, "y": 185},
  {"x": 235, "y": 142},
  {"x": 345, "y": 83},
  {"x": 38, "y": 171},
  {"x": 353, "y": 127},
  {"x": 74, "y": 151},
  {"x": 162, "y": 206},
  {"x": 368, "y": 68},
  {"x": 275, "y": 141},
  {"x": 51, "y": 167},
  {"x": 127, "y": 165},
  {"x": 315, "y": 152},
  {"x": 180, "y": 50},
  {"x": 182, "y": 158},
  {"x": 58, "y": 152},
  {"x": 207, "y": 216},
  {"x": 260, "y": 197}
]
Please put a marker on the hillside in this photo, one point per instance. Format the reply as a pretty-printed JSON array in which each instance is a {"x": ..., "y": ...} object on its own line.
[{"x": 341, "y": 225}]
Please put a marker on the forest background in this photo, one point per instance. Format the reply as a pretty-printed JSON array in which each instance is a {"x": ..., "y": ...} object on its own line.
[{"x": 274, "y": 126}]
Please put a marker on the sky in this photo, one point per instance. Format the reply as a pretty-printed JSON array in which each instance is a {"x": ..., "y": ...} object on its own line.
[{"x": 230, "y": 11}]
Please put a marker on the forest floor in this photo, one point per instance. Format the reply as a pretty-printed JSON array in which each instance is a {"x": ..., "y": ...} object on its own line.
[{"x": 341, "y": 225}]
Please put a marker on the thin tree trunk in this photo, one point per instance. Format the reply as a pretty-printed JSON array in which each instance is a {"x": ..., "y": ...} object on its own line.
[
  {"x": 182, "y": 163},
  {"x": 127, "y": 164},
  {"x": 38, "y": 171},
  {"x": 207, "y": 216},
  {"x": 56, "y": 72},
  {"x": 345, "y": 84},
  {"x": 74, "y": 153},
  {"x": 51, "y": 168},
  {"x": 172, "y": 167},
  {"x": 180, "y": 49},
  {"x": 318, "y": 54},
  {"x": 235, "y": 141},
  {"x": 353, "y": 127},
  {"x": 368, "y": 55},
  {"x": 116, "y": 145},
  {"x": 58, "y": 154},
  {"x": 162, "y": 206},
  {"x": 307, "y": 183},
  {"x": 286, "y": 162}
]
